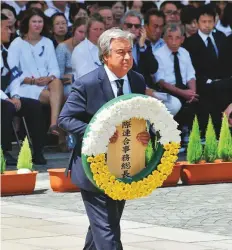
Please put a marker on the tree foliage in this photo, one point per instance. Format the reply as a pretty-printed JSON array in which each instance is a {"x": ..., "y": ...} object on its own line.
[
  {"x": 3, "y": 163},
  {"x": 210, "y": 149},
  {"x": 194, "y": 150},
  {"x": 225, "y": 141},
  {"x": 25, "y": 158}
]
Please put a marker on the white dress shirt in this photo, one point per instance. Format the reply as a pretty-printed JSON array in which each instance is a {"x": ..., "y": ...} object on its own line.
[
  {"x": 15, "y": 80},
  {"x": 16, "y": 6},
  {"x": 226, "y": 30},
  {"x": 155, "y": 46},
  {"x": 166, "y": 72},
  {"x": 36, "y": 61},
  {"x": 84, "y": 58},
  {"x": 204, "y": 38},
  {"x": 112, "y": 78},
  {"x": 52, "y": 10}
]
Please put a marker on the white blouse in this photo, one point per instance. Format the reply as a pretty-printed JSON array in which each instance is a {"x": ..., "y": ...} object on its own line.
[{"x": 36, "y": 61}]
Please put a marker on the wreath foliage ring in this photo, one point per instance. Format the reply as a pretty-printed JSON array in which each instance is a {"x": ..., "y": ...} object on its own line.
[{"x": 102, "y": 127}]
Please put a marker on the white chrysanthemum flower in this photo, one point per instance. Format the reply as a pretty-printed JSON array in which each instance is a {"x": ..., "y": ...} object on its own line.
[{"x": 104, "y": 125}]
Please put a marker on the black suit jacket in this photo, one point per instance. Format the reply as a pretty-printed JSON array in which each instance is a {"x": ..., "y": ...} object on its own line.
[
  {"x": 89, "y": 94},
  {"x": 147, "y": 64},
  {"x": 204, "y": 66},
  {"x": 228, "y": 56}
]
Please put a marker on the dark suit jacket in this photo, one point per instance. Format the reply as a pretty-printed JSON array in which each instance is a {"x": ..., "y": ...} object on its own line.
[
  {"x": 147, "y": 64},
  {"x": 89, "y": 94},
  {"x": 228, "y": 51},
  {"x": 205, "y": 67}
]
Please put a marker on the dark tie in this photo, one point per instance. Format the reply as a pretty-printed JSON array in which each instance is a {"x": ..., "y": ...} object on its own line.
[
  {"x": 179, "y": 81},
  {"x": 211, "y": 49},
  {"x": 4, "y": 58},
  {"x": 119, "y": 83}
]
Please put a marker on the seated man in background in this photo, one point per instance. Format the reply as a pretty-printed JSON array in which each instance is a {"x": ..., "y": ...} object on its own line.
[
  {"x": 16, "y": 106},
  {"x": 207, "y": 51},
  {"x": 176, "y": 75},
  {"x": 144, "y": 61}
]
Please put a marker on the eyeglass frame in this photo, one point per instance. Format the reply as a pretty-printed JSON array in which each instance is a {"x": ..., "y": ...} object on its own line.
[
  {"x": 170, "y": 13},
  {"x": 137, "y": 26}
]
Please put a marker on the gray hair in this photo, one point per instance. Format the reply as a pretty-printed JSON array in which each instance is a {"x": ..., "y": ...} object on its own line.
[
  {"x": 104, "y": 41},
  {"x": 172, "y": 27},
  {"x": 133, "y": 13}
]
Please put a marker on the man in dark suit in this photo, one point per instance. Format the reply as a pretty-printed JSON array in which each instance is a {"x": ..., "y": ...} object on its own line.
[
  {"x": 144, "y": 60},
  {"x": 89, "y": 94},
  {"x": 206, "y": 49},
  {"x": 13, "y": 105}
]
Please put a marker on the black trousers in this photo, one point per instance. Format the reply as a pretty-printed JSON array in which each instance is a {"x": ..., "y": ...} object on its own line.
[
  {"x": 214, "y": 98},
  {"x": 31, "y": 110},
  {"x": 104, "y": 216}
]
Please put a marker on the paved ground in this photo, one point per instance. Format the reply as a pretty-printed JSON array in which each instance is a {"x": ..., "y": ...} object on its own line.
[{"x": 183, "y": 217}]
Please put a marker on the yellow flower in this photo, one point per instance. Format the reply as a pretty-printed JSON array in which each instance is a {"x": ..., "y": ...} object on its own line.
[
  {"x": 167, "y": 146},
  {"x": 97, "y": 158},
  {"x": 90, "y": 159}
]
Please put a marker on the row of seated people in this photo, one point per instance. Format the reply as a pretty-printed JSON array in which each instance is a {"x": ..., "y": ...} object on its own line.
[{"x": 163, "y": 63}]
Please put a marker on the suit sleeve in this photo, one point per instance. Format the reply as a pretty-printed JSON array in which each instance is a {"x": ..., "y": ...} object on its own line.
[
  {"x": 147, "y": 63},
  {"x": 73, "y": 117}
]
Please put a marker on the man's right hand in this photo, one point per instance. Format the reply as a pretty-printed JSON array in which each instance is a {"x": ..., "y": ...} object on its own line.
[
  {"x": 228, "y": 113},
  {"x": 15, "y": 102},
  {"x": 114, "y": 138}
]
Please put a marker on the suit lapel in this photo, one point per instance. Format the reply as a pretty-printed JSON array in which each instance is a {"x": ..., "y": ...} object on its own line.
[
  {"x": 200, "y": 41},
  {"x": 218, "y": 44},
  {"x": 105, "y": 84}
]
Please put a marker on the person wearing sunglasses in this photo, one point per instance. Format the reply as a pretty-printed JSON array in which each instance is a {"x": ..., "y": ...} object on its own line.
[
  {"x": 170, "y": 11},
  {"x": 144, "y": 61}
]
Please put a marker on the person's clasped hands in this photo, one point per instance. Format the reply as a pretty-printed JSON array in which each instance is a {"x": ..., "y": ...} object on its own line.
[{"x": 41, "y": 81}]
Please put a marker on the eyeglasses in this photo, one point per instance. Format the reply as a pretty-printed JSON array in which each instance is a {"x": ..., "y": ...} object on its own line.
[
  {"x": 130, "y": 25},
  {"x": 171, "y": 13},
  {"x": 122, "y": 52}
]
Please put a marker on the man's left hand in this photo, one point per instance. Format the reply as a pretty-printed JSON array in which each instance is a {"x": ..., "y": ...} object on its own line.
[{"x": 144, "y": 138}]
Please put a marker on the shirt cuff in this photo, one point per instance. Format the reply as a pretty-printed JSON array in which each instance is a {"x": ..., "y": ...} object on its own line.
[
  {"x": 143, "y": 49},
  {"x": 3, "y": 95}
]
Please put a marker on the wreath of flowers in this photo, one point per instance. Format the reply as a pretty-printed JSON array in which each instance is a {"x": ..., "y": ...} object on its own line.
[{"x": 103, "y": 126}]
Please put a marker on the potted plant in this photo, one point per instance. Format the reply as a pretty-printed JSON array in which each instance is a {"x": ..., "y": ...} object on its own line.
[
  {"x": 60, "y": 182},
  {"x": 204, "y": 167},
  {"x": 23, "y": 180}
]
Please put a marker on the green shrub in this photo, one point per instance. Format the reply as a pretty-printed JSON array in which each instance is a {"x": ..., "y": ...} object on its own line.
[
  {"x": 194, "y": 150},
  {"x": 25, "y": 158},
  {"x": 3, "y": 163},
  {"x": 210, "y": 149},
  {"x": 225, "y": 141}
]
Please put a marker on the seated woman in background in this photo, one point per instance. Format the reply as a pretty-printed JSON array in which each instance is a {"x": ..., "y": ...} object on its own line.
[
  {"x": 85, "y": 56},
  {"x": 188, "y": 18},
  {"x": 59, "y": 28},
  {"x": 77, "y": 10},
  {"x": 64, "y": 51},
  {"x": 34, "y": 54}
]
